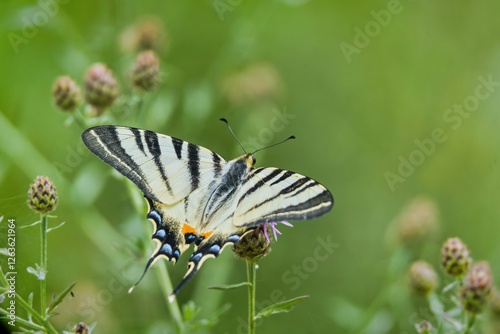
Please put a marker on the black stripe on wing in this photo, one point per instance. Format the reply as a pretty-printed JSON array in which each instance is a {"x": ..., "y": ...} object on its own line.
[
  {"x": 177, "y": 143},
  {"x": 104, "y": 142},
  {"x": 261, "y": 182},
  {"x": 194, "y": 165},
  {"x": 155, "y": 151},
  {"x": 312, "y": 208}
]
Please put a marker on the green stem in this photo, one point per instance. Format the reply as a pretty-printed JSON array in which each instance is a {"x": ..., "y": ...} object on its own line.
[
  {"x": 472, "y": 319},
  {"x": 43, "y": 264},
  {"x": 166, "y": 287},
  {"x": 78, "y": 116},
  {"x": 251, "y": 274}
]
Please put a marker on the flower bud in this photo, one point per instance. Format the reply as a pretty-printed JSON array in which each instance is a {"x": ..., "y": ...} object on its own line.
[
  {"x": 146, "y": 34},
  {"x": 66, "y": 93},
  {"x": 418, "y": 222},
  {"x": 253, "y": 245},
  {"x": 81, "y": 328},
  {"x": 255, "y": 83},
  {"x": 423, "y": 277},
  {"x": 455, "y": 258},
  {"x": 42, "y": 195},
  {"x": 495, "y": 303},
  {"x": 424, "y": 327},
  {"x": 101, "y": 88},
  {"x": 146, "y": 71},
  {"x": 477, "y": 287}
]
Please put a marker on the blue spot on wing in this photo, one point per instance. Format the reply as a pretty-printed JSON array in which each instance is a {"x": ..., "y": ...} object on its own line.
[
  {"x": 166, "y": 249},
  {"x": 233, "y": 238},
  {"x": 160, "y": 234},
  {"x": 215, "y": 249}
]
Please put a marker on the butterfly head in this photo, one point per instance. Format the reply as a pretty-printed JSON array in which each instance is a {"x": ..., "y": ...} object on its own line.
[{"x": 249, "y": 159}]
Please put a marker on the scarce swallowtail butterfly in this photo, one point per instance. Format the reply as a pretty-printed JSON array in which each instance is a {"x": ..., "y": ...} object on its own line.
[{"x": 197, "y": 197}]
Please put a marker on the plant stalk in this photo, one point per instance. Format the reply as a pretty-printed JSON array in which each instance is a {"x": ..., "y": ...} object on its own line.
[
  {"x": 43, "y": 264},
  {"x": 251, "y": 274}
]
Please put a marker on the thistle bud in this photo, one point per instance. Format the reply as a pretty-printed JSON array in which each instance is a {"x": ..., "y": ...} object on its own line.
[
  {"x": 455, "y": 258},
  {"x": 495, "y": 303},
  {"x": 42, "y": 195},
  {"x": 477, "y": 287},
  {"x": 423, "y": 277},
  {"x": 146, "y": 71},
  {"x": 81, "y": 328},
  {"x": 66, "y": 93},
  {"x": 424, "y": 327},
  {"x": 255, "y": 83},
  {"x": 253, "y": 245},
  {"x": 146, "y": 34},
  {"x": 418, "y": 222},
  {"x": 101, "y": 88}
]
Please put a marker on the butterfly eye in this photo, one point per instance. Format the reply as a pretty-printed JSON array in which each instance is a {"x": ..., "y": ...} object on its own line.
[{"x": 253, "y": 160}]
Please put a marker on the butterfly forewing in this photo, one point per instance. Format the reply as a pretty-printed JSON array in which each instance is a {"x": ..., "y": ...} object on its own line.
[{"x": 165, "y": 168}]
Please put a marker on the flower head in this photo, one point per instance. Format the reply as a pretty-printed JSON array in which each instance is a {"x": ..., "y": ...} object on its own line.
[
  {"x": 42, "y": 195},
  {"x": 418, "y": 221},
  {"x": 253, "y": 245},
  {"x": 256, "y": 82},
  {"x": 455, "y": 257},
  {"x": 147, "y": 34},
  {"x": 101, "y": 87},
  {"x": 66, "y": 93},
  {"x": 423, "y": 277},
  {"x": 495, "y": 302},
  {"x": 81, "y": 328},
  {"x": 273, "y": 228},
  {"x": 146, "y": 71},
  {"x": 424, "y": 327},
  {"x": 477, "y": 287}
]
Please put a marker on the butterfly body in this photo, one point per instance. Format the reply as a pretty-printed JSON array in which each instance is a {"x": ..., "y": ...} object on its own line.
[{"x": 197, "y": 197}]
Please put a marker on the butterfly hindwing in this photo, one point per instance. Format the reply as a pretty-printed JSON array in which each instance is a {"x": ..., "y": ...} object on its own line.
[{"x": 271, "y": 194}]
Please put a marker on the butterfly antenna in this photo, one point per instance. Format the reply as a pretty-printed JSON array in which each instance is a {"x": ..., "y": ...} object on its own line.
[
  {"x": 150, "y": 262},
  {"x": 272, "y": 145},
  {"x": 231, "y": 130}
]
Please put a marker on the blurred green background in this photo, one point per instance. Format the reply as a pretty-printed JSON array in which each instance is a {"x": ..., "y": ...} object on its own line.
[{"x": 359, "y": 94}]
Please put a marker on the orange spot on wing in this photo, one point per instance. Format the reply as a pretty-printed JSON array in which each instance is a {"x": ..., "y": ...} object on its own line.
[
  {"x": 188, "y": 229},
  {"x": 207, "y": 234}
]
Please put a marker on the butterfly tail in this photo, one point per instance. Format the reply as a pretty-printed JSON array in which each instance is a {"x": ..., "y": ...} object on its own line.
[
  {"x": 150, "y": 262},
  {"x": 193, "y": 269}
]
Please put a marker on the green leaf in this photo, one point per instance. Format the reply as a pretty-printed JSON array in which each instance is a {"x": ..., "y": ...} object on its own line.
[
  {"x": 281, "y": 307},
  {"x": 190, "y": 310},
  {"x": 58, "y": 300},
  {"x": 55, "y": 227},
  {"x": 228, "y": 286},
  {"x": 38, "y": 271}
]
